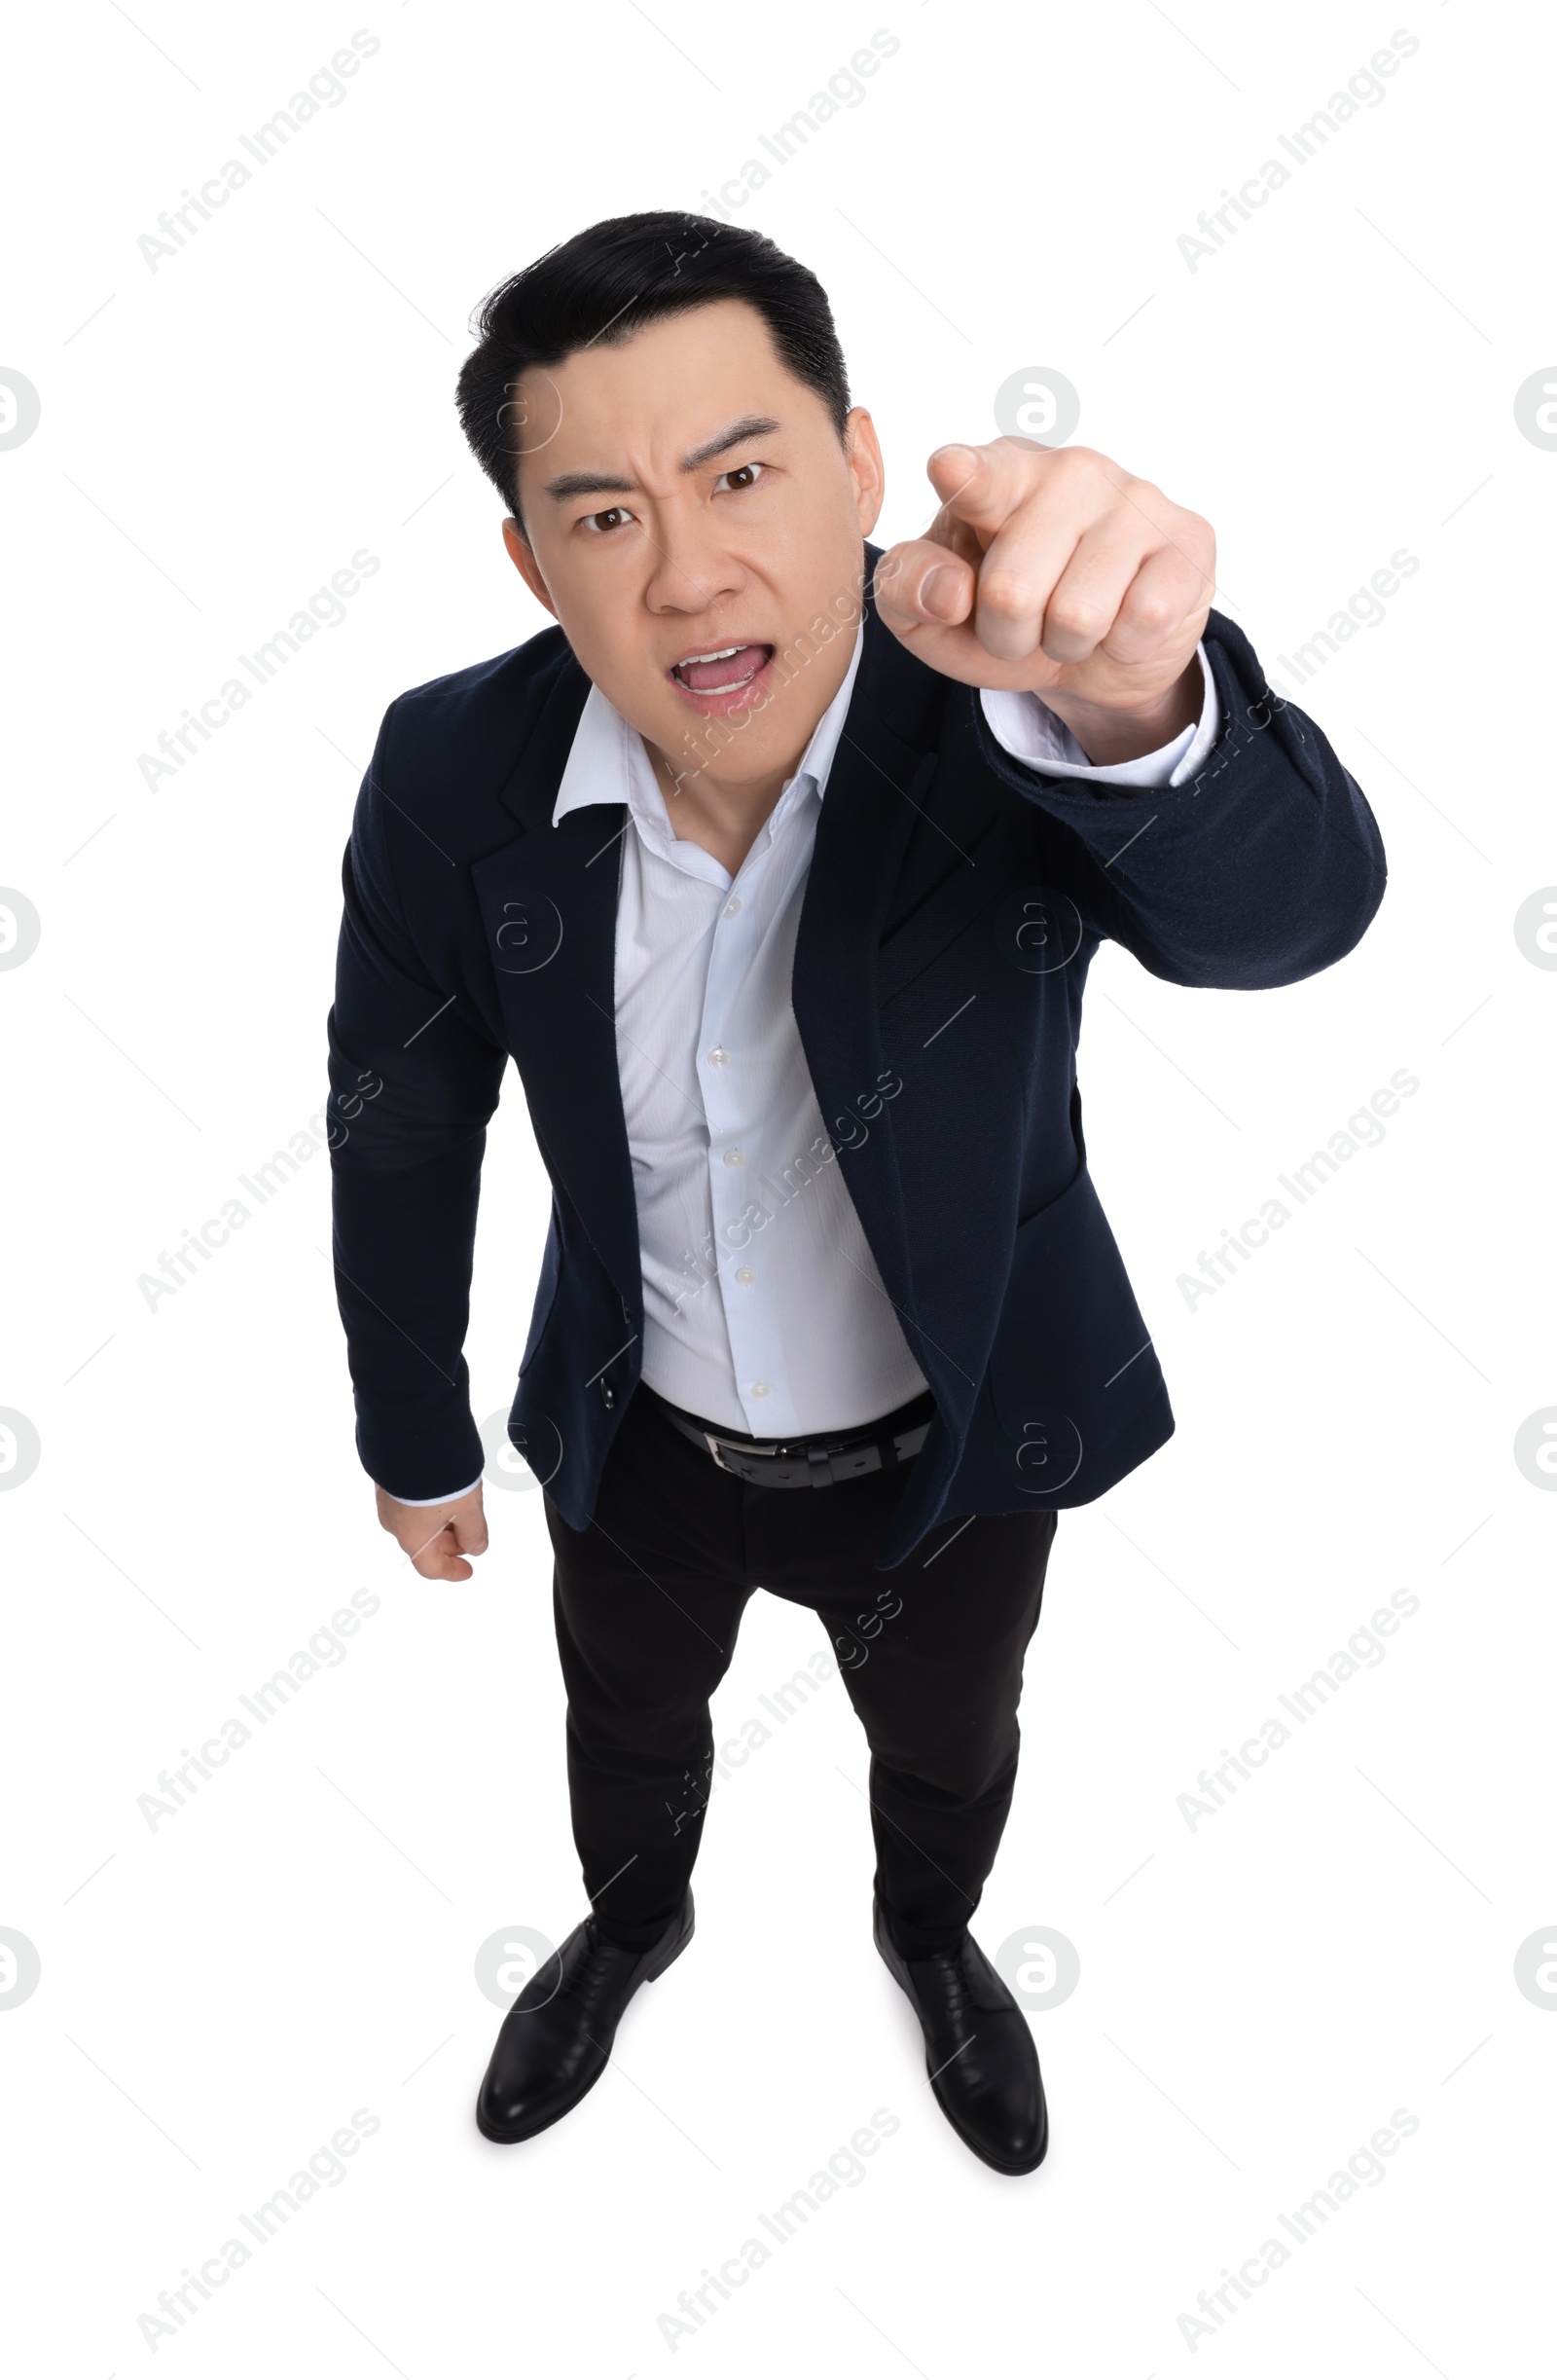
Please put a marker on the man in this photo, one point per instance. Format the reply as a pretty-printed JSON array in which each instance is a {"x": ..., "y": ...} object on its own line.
[{"x": 777, "y": 867}]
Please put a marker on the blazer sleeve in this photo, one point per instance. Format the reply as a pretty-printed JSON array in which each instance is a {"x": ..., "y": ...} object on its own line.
[
  {"x": 412, "y": 1082},
  {"x": 1265, "y": 866}
]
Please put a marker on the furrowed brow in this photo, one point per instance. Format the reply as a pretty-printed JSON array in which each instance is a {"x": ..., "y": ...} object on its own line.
[
  {"x": 589, "y": 483},
  {"x": 749, "y": 425},
  {"x": 569, "y": 484}
]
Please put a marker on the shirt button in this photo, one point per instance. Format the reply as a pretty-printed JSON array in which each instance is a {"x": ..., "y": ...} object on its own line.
[
  {"x": 731, "y": 908},
  {"x": 734, "y": 1157},
  {"x": 743, "y": 1272},
  {"x": 759, "y": 1388},
  {"x": 718, "y": 1055}
]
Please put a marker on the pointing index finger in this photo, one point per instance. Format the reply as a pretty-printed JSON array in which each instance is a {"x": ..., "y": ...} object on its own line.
[{"x": 982, "y": 483}]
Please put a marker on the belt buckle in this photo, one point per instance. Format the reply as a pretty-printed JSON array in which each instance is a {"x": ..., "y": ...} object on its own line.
[{"x": 714, "y": 1443}]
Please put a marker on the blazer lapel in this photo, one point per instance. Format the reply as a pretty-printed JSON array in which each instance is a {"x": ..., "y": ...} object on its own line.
[
  {"x": 548, "y": 905},
  {"x": 874, "y": 791}
]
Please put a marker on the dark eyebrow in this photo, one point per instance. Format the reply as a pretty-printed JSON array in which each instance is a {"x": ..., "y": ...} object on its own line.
[
  {"x": 749, "y": 425},
  {"x": 605, "y": 483}
]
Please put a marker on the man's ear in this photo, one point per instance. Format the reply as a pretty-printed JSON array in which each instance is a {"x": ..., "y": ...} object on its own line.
[
  {"x": 865, "y": 466},
  {"x": 521, "y": 555}
]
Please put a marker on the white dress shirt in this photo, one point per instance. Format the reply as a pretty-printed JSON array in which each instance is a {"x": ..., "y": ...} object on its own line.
[{"x": 763, "y": 1308}]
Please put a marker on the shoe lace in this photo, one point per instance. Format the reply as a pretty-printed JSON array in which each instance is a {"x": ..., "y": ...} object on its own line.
[
  {"x": 951, "y": 1984},
  {"x": 591, "y": 1977}
]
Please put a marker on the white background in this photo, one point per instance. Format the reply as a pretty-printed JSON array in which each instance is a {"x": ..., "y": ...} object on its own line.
[{"x": 1259, "y": 1994}]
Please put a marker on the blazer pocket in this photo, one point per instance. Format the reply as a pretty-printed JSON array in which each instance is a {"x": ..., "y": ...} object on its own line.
[
  {"x": 545, "y": 1294},
  {"x": 1071, "y": 1345}
]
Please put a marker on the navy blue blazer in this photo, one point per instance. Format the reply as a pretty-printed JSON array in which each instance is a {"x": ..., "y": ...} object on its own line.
[{"x": 953, "y": 903}]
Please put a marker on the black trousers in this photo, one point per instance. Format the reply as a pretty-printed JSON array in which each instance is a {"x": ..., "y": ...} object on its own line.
[{"x": 648, "y": 1601}]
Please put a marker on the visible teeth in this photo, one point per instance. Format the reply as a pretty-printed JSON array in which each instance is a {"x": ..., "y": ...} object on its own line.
[{"x": 687, "y": 659}]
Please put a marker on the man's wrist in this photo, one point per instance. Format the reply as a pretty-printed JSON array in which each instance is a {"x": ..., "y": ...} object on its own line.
[{"x": 1109, "y": 736}]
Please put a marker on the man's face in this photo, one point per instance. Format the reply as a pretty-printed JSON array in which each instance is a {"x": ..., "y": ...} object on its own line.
[{"x": 685, "y": 495}]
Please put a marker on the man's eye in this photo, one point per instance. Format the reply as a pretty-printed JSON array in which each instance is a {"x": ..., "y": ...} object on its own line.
[
  {"x": 602, "y": 523},
  {"x": 743, "y": 476}
]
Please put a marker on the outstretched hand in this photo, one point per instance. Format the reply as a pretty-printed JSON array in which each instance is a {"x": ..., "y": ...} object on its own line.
[{"x": 1055, "y": 573}]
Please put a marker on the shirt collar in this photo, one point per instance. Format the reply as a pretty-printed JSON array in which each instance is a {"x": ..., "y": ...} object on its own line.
[{"x": 606, "y": 761}]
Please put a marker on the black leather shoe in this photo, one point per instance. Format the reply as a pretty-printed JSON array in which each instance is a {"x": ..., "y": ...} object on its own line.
[
  {"x": 979, "y": 2055},
  {"x": 555, "y": 2039}
]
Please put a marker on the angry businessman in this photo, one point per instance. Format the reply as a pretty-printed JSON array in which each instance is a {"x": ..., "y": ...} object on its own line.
[{"x": 777, "y": 867}]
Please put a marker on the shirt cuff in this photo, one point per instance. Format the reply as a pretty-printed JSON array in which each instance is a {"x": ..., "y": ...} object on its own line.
[
  {"x": 1030, "y": 732},
  {"x": 454, "y": 1499}
]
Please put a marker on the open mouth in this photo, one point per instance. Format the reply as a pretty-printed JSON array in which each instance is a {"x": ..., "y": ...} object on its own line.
[{"x": 725, "y": 679}]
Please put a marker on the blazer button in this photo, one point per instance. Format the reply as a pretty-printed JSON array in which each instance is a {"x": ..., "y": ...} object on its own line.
[{"x": 608, "y": 1395}]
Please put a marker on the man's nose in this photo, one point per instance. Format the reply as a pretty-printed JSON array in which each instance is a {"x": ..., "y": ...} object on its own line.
[{"x": 692, "y": 569}]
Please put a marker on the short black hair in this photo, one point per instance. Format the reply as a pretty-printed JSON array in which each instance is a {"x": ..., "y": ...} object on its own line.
[{"x": 607, "y": 282}]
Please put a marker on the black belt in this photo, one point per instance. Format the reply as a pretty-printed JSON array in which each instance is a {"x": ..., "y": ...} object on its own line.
[{"x": 821, "y": 1462}]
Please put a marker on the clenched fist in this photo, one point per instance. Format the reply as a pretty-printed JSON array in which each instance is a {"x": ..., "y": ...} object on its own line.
[
  {"x": 437, "y": 1536},
  {"x": 1055, "y": 573}
]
